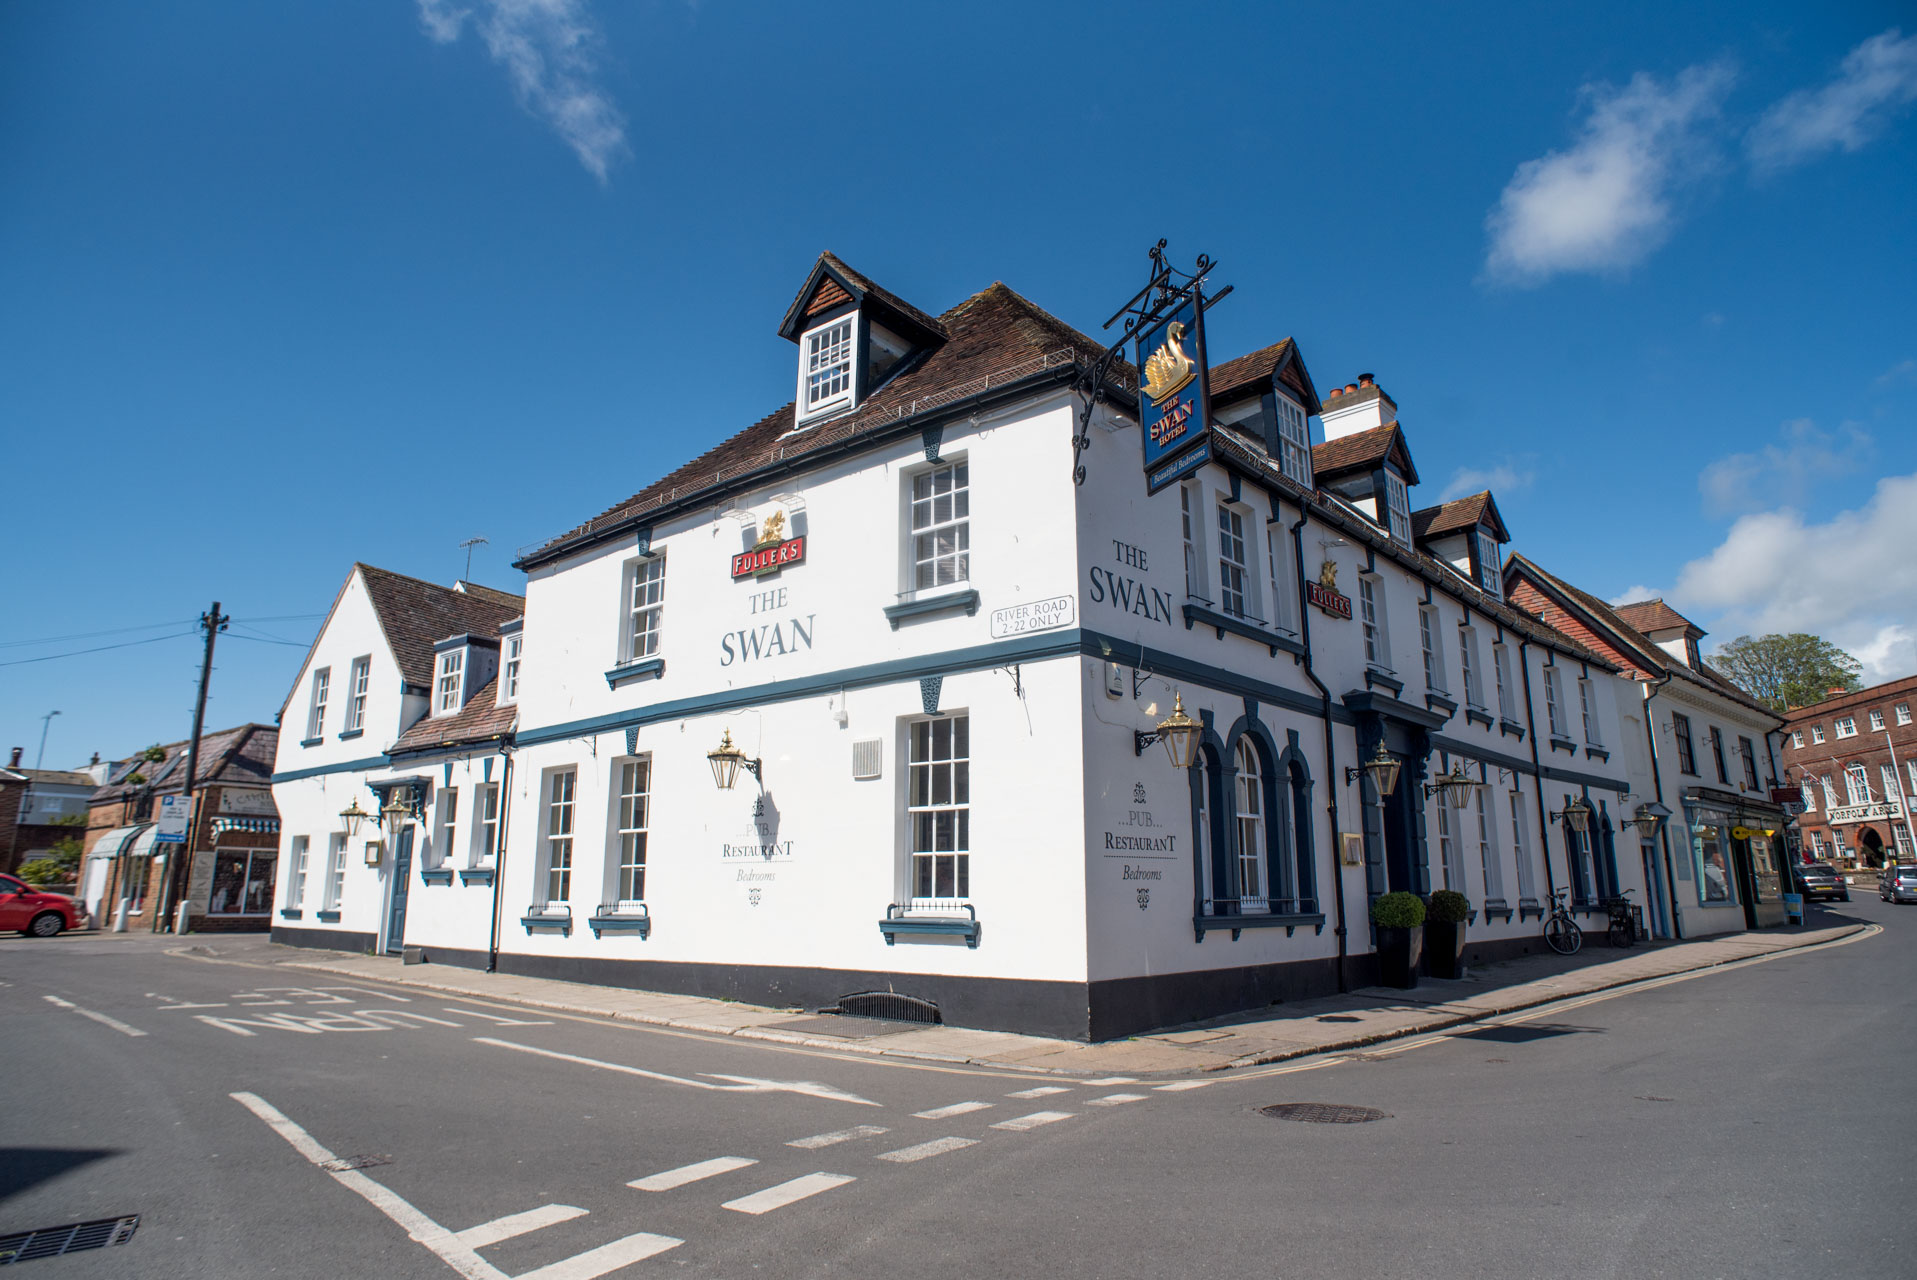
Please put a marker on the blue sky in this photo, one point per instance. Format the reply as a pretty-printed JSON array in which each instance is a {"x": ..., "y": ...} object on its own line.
[{"x": 285, "y": 286}]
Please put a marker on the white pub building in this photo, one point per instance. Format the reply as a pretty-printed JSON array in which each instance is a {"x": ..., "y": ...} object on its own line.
[{"x": 875, "y": 697}]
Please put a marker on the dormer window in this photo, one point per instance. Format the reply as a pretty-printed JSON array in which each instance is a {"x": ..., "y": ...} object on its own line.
[
  {"x": 1488, "y": 576},
  {"x": 1294, "y": 442},
  {"x": 1398, "y": 507},
  {"x": 826, "y": 375},
  {"x": 509, "y": 668},
  {"x": 449, "y": 681}
]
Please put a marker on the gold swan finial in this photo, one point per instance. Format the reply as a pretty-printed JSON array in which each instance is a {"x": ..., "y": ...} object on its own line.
[{"x": 1168, "y": 369}]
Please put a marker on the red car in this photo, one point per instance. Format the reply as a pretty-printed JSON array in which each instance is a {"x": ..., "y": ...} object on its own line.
[{"x": 25, "y": 909}]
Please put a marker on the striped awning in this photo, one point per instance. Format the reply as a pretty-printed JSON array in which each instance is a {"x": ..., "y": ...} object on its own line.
[
  {"x": 256, "y": 826},
  {"x": 115, "y": 842}
]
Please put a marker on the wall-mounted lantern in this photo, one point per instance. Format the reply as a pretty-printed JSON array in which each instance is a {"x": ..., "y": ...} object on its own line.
[
  {"x": 1457, "y": 786},
  {"x": 726, "y": 762},
  {"x": 393, "y": 812},
  {"x": 1383, "y": 768},
  {"x": 1576, "y": 816},
  {"x": 1650, "y": 818},
  {"x": 1178, "y": 731},
  {"x": 352, "y": 815}
]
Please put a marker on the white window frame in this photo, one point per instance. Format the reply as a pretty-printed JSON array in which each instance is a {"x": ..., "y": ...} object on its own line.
[
  {"x": 1903, "y": 712},
  {"x": 1248, "y": 804},
  {"x": 1277, "y": 558},
  {"x": 1501, "y": 669},
  {"x": 1910, "y": 766},
  {"x": 1431, "y": 641},
  {"x": 357, "y": 684},
  {"x": 1857, "y": 783},
  {"x": 1830, "y": 792},
  {"x": 631, "y": 830},
  {"x": 509, "y": 669},
  {"x": 316, "y": 711},
  {"x": 1190, "y": 500},
  {"x": 1294, "y": 442},
  {"x": 1817, "y": 735},
  {"x": 1468, "y": 662},
  {"x": 642, "y": 619},
  {"x": 1449, "y": 864},
  {"x": 1488, "y": 845},
  {"x": 485, "y": 843},
  {"x": 941, "y": 825},
  {"x": 1235, "y": 595},
  {"x": 445, "y": 825},
  {"x": 828, "y": 354},
  {"x": 1876, "y": 722},
  {"x": 1397, "y": 507},
  {"x": 938, "y": 527},
  {"x": 1809, "y": 794},
  {"x": 1490, "y": 579},
  {"x": 558, "y": 836},
  {"x": 1587, "y": 708},
  {"x": 1887, "y": 776},
  {"x": 1374, "y": 622},
  {"x": 1554, "y": 704},
  {"x": 296, "y": 871},
  {"x": 1847, "y": 727},
  {"x": 1797, "y": 739},
  {"x": 449, "y": 682},
  {"x": 335, "y": 887}
]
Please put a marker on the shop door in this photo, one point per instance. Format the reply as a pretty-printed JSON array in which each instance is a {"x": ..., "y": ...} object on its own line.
[
  {"x": 1746, "y": 880},
  {"x": 402, "y": 876},
  {"x": 1654, "y": 886}
]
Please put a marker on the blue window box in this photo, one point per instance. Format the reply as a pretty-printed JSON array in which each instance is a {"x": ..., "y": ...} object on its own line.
[
  {"x": 550, "y": 917},
  {"x": 350, "y": 734},
  {"x": 898, "y": 920},
  {"x": 327, "y": 917},
  {"x": 1289, "y": 921},
  {"x": 609, "y": 919},
  {"x": 290, "y": 913},
  {"x": 475, "y": 875},
  {"x": 634, "y": 671},
  {"x": 1474, "y": 716},
  {"x": 950, "y": 601},
  {"x": 311, "y": 742},
  {"x": 441, "y": 875}
]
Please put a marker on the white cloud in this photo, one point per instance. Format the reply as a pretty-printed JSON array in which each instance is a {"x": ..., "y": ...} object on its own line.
[
  {"x": 1785, "y": 470},
  {"x": 1877, "y": 77},
  {"x": 1503, "y": 478},
  {"x": 1606, "y": 202},
  {"x": 1633, "y": 595},
  {"x": 1851, "y": 579},
  {"x": 550, "y": 50},
  {"x": 1898, "y": 372}
]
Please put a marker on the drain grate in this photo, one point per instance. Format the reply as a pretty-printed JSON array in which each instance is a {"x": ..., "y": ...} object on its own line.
[
  {"x": 1324, "y": 1113},
  {"x": 1337, "y": 1017},
  {"x": 51, "y": 1242},
  {"x": 343, "y": 1163},
  {"x": 891, "y": 1005}
]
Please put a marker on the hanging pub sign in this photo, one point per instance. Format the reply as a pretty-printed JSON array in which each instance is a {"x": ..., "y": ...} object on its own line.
[
  {"x": 773, "y": 551},
  {"x": 1173, "y": 403},
  {"x": 1323, "y": 594}
]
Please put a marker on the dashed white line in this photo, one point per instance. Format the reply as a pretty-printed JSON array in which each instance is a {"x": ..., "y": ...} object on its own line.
[
  {"x": 1033, "y": 1121},
  {"x": 516, "y": 1224},
  {"x": 1043, "y": 1091},
  {"x": 936, "y": 1147},
  {"x": 691, "y": 1173},
  {"x": 607, "y": 1257},
  {"x": 818, "y": 1140},
  {"x": 1114, "y": 1099},
  {"x": 100, "y": 1018},
  {"x": 788, "y": 1192},
  {"x": 1179, "y": 1086},
  {"x": 956, "y": 1109}
]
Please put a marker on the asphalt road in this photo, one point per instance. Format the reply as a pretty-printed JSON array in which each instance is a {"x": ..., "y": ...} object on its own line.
[{"x": 1747, "y": 1122}]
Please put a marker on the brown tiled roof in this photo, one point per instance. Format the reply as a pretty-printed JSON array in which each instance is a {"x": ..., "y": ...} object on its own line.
[
  {"x": 1253, "y": 369},
  {"x": 1459, "y": 513},
  {"x": 864, "y": 285},
  {"x": 1654, "y": 615},
  {"x": 1361, "y": 451},
  {"x": 480, "y": 720},
  {"x": 50, "y": 777},
  {"x": 997, "y": 337},
  {"x": 416, "y": 615},
  {"x": 242, "y": 755}
]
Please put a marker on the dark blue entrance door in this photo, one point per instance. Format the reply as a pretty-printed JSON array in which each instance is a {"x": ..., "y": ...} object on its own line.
[{"x": 402, "y": 877}]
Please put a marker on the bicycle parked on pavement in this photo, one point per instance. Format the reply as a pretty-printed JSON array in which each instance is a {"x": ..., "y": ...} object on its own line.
[
  {"x": 1623, "y": 930},
  {"x": 1561, "y": 932}
]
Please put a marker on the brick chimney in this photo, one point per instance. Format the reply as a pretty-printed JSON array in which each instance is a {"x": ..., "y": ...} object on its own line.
[
  {"x": 1361, "y": 406},
  {"x": 15, "y": 762}
]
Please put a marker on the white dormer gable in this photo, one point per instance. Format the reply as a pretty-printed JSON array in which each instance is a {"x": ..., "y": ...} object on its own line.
[
  {"x": 852, "y": 337},
  {"x": 462, "y": 665}
]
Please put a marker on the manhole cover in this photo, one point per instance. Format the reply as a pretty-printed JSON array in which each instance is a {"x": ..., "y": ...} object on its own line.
[
  {"x": 1324, "y": 1113},
  {"x": 343, "y": 1163},
  {"x": 1336, "y": 1017}
]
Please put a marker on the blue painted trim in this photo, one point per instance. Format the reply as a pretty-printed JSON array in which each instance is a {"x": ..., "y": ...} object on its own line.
[
  {"x": 1223, "y": 622},
  {"x": 1564, "y": 745},
  {"x": 290, "y": 913},
  {"x": 1511, "y": 728},
  {"x": 347, "y": 766},
  {"x": 543, "y": 920},
  {"x": 603, "y": 922},
  {"x": 475, "y": 875},
  {"x": 634, "y": 670},
  {"x": 1475, "y": 716},
  {"x": 1528, "y": 907},
  {"x": 1598, "y": 753},
  {"x": 1375, "y": 678},
  {"x": 1438, "y": 702},
  {"x": 311, "y": 742},
  {"x": 440, "y": 875},
  {"x": 1497, "y": 907},
  {"x": 350, "y": 734},
  {"x": 327, "y": 917},
  {"x": 897, "y": 921},
  {"x": 1203, "y": 924},
  {"x": 966, "y": 600},
  {"x": 1518, "y": 764}
]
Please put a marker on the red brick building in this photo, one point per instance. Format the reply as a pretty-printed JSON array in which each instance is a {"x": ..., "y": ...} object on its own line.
[
  {"x": 1855, "y": 756},
  {"x": 36, "y": 808}
]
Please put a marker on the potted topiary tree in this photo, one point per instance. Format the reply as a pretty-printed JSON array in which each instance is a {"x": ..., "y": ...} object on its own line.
[
  {"x": 1400, "y": 920},
  {"x": 1444, "y": 921}
]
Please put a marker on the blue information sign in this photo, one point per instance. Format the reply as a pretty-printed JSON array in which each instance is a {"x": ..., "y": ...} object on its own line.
[{"x": 1172, "y": 391}]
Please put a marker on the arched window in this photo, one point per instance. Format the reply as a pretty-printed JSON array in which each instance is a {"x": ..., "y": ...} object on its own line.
[
  {"x": 1304, "y": 886},
  {"x": 1250, "y": 798}
]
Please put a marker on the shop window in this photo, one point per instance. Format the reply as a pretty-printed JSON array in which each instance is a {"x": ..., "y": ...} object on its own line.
[
  {"x": 939, "y": 808},
  {"x": 242, "y": 882},
  {"x": 1708, "y": 844}
]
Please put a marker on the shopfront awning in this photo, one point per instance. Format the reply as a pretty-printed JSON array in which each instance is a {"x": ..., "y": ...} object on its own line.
[
  {"x": 116, "y": 842},
  {"x": 254, "y": 826}
]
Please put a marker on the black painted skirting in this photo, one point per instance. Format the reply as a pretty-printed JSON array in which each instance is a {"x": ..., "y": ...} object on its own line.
[
  {"x": 1127, "y": 1006},
  {"x": 324, "y": 939}
]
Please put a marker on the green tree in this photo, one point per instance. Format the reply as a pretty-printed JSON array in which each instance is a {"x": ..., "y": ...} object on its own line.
[
  {"x": 1784, "y": 671},
  {"x": 60, "y": 866}
]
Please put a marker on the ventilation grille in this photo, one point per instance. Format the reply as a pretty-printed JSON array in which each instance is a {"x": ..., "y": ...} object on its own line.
[
  {"x": 868, "y": 759},
  {"x": 888, "y": 1004},
  {"x": 51, "y": 1242}
]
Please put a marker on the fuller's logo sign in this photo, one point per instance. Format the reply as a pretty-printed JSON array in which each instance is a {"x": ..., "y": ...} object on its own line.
[
  {"x": 1172, "y": 400},
  {"x": 1323, "y": 594},
  {"x": 773, "y": 552}
]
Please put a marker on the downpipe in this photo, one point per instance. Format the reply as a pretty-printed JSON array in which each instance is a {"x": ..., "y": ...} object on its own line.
[
  {"x": 499, "y": 853},
  {"x": 1657, "y": 789}
]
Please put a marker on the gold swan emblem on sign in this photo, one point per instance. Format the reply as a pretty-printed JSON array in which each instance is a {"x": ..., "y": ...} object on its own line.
[
  {"x": 1168, "y": 368},
  {"x": 1328, "y": 575},
  {"x": 774, "y": 530}
]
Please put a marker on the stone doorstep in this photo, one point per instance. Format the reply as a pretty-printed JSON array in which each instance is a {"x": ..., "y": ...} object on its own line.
[{"x": 1244, "y": 1044}]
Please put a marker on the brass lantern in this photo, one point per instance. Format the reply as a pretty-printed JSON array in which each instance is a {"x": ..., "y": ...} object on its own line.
[
  {"x": 1456, "y": 786},
  {"x": 352, "y": 815},
  {"x": 1383, "y": 768},
  {"x": 1577, "y": 815},
  {"x": 1180, "y": 733},
  {"x": 726, "y": 762}
]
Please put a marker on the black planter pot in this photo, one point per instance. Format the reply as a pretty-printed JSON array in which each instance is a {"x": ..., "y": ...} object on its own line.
[
  {"x": 1398, "y": 953},
  {"x": 1444, "y": 948}
]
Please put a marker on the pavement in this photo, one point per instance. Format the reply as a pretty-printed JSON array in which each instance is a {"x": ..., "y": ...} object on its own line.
[{"x": 1369, "y": 1016}]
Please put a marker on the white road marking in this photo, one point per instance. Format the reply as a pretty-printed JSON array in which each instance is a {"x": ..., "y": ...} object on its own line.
[
  {"x": 818, "y": 1140},
  {"x": 448, "y": 1245},
  {"x": 1109, "y": 1081},
  {"x": 788, "y": 1192},
  {"x": 516, "y": 1224},
  {"x": 1033, "y": 1121},
  {"x": 691, "y": 1173},
  {"x": 100, "y": 1018},
  {"x": 504, "y": 1022},
  {"x": 1179, "y": 1086},
  {"x": 956, "y": 1109},
  {"x": 1115, "y": 1099},
  {"x": 1043, "y": 1091},
  {"x": 936, "y": 1147},
  {"x": 741, "y": 1084},
  {"x": 607, "y": 1257}
]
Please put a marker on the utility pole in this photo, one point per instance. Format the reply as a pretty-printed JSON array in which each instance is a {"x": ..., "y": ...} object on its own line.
[{"x": 212, "y": 622}]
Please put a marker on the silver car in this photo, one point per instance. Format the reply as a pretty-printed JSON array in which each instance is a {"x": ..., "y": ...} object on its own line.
[{"x": 1898, "y": 883}]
